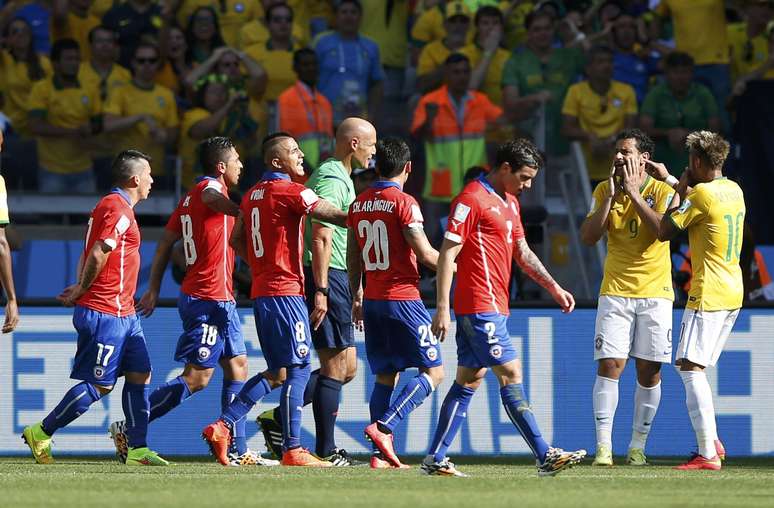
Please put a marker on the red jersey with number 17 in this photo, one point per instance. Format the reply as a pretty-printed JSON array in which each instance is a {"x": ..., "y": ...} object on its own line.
[
  {"x": 379, "y": 216},
  {"x": 209, "y": 259},
  {"x": 273, "y": 212},
  {"x": 488, "y": 227},
  {"x": 112, "y": 222}
]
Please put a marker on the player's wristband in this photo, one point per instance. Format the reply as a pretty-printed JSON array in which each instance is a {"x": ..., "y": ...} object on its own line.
[
  {"x": 324, "y": 291},
  {"x": 671, "y": 180}
]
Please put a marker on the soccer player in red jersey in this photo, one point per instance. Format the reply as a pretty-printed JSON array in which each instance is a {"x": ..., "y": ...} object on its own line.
[
  {"x": 212, "y": 330},
  {"x": 269, "y": 235},
  {"x": 386, "y": 237},
  {"x": 110, "y": 338},
  {"x": 484, "y": 235}
]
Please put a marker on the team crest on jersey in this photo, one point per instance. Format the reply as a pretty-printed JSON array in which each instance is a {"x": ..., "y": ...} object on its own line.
[
  {"x": 431, "y": 353},
  {"x": 617, "y": 103},
  {"x": 239, "y": 7},
  {"x": 302, "y": 350},
  {"x": 684, "y": 206},
  {"x": 650, "y": 199},
  {"x": 84, "y": 99},
  {"x": 161, "y": 101},
  {"x": 99, "y": 372},
  {"x": 203, "y": 353},
  {"x": 598, "y": 342},
  {"x": 496, "y": 351}
]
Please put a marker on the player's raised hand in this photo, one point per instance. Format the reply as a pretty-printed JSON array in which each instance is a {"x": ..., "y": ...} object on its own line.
[
  {"x": 147, "y": 303},
  {"x": 11, "y": 317},
  {"x": 656, "y": 169},
  {"x": 632, "y": 177},
  {"x": 357, "y": 312},
  {"x": 320, "y": 309},
  {"x": 564, "y": 298},
  {"x": 441, "y": 323},
  {"x": 70, "y": 294}
]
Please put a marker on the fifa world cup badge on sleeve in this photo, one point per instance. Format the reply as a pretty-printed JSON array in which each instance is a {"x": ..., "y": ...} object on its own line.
[
  {"x": 685, "y": 206},
  {"x": 461, "y": 212}
]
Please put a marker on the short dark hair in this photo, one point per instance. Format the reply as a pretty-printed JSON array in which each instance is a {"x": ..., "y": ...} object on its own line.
[
  {"x": 488, "y": 11},
  {"x": 93, "y": 32},
  {"x": 644, "y": 143},
  {"x": 61, "y": 46},
  {"x": 472, "y": 173},
  {"x": 125, "y": 165},
  {"x": 536, "y": 15},
  {"x": 301, "y": 53},
  {"x": 456, "y": 58},
  {"x": 392, "y": 154},
  {"x": 678, "y": 59},
  {"x": 598, "y": 50},
  {"x": 269, "y": 144},
  {"x": 272, "y": 8},
  {"x": 519, "y": 153},
  {"x": 213, "y": 150},
  {"x": 356, "y": 3}
]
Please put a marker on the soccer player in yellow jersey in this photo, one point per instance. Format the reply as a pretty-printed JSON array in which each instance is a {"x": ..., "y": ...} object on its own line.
[
  {"x": 711, "y": 208},
  {"x": 634, "y": 314},
  {"x": 6, "y": 271}
]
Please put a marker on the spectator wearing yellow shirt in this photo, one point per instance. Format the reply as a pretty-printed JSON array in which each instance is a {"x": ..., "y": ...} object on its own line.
[
  {"x": 596, "y": 109},
  {"x": 103, "y": 74},
  {"x": 256, "y": 31},
  {"x": 143, "y": 113},
  {"x": 232, "y": 15},
  {"x": 174, "y": 67},
  {"x": 700, "y": 31},
  {"x": 70, "y": 19},
  {"x": 6, "y": 267},
  {"x": 430, "y": 25},
  {"x": 61, "y": 117},
  {"x": 749, "y": 40},
  {"x": 430, "y": 69},
  {"x": 202, "y": 35},
  {"x": 486, "y": 55}
]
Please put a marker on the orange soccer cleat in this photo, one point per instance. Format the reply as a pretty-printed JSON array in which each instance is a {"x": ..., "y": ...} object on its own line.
[
  {"x": 701, "y": 462},
  {"x": 302, "y": 457},
  {"x": 218, "y": 437},
  {"x": 383, "y": 442}
]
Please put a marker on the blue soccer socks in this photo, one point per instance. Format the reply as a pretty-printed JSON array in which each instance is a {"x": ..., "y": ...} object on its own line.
[
  {"x": 326, "y": 408},
  {"x": 167, "y": 397},
  {"x": 253, "y": 390},
  {"x": 379, "y": 402},
  {"x": 137, "y": 411},
  {"x": 291, "y": 405},
  {"x": 413, "y": 394},
  {"x": 228, "y": 393},
  {"x": 453, "y": 413},
  {"x": 74, "y": 403},
  {"x": 518, "y": 410}
]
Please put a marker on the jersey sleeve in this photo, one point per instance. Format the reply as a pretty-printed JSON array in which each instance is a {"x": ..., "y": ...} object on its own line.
[
  {"x": 517, "y": 232},
  {"x": 332, "y": 190},
  {"x": 663, "y": 198},
  {"x": 425, "y": 63},
  {"x": 409, "y": 214},
  {"x": 691, "y": 210},
  {"x": 597, "y": 197},
  {"x": 303, "y": 200},
  {"x": 571, "y": 104},
  {"x": 112, "y": 225},
  {"x": 462, "y": 219},
  {"x": 173, "y": 224}
]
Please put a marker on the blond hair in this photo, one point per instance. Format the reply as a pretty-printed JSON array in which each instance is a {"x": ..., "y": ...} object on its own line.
[{"x": 710, "y": 147}]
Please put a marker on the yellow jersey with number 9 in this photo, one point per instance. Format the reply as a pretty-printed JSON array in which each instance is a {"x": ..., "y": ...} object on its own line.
[
  {"x": 713, "y": 213},
  {"x": 637, "y": 264}
]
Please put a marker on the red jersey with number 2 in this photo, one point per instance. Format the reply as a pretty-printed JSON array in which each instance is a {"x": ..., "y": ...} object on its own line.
[
  {"x": 209, "y": 259},
  {"x": 379, "y": 216},
  {"x": 112, "y": 222},
  {"x": 488, "y": 227},
  {"x": 273, "y": 211}
]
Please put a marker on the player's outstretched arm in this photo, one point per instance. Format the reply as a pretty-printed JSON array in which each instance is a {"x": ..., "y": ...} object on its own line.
[
  {"x": 355, "y": 274},
  {"x": 417, "y": 240},
  {"x": 529, "y": 262},
  {"x": 93, "y": 263},
  {"x": 237, "y": 238},
  {"x": 149, "y": 299},
  {"x": 443, "y": 281},
  {"x": 6, "y": 279},
  {"x": 219, "y": 203},
  {"x": 666, "y": 228},
  {"x": 326, "y": 212}
]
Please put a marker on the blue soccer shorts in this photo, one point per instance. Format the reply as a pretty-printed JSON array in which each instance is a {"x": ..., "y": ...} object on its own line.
[
  {"x": 211, "y": 330},
  {"x": 336, "y": 331},
  {"x": 282, "y": 324},
  {"x": 108, "y": 346},
  {"x": 398, "y": 336},
  {"x": 483, "y": 340}
]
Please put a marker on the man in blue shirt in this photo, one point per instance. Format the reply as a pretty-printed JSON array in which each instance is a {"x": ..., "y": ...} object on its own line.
[
  {"x": 629, "y": 66},
  {"x": 351, "y": 72}
]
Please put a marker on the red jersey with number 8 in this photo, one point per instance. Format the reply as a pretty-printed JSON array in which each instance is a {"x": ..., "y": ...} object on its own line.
[
  {"x": 273, "y": 211},
  {"x": 487, "y": 226},
  {"x": 205, "y": 232},
  {"x": 378, "y": 217}
]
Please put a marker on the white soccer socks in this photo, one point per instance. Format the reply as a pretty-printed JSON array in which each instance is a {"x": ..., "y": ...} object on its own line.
[
  {"x": 646, "y": 401},
  {"x": 605, "y": 403},
  {"x": 698, "y": 399}
]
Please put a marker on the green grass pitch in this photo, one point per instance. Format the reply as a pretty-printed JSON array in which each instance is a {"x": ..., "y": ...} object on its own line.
[{"x": 103, "y": 483}]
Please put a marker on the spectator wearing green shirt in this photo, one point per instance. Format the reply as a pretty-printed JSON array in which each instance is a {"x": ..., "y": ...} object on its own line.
[
  {"x": 538, "y": 73},
  {"x": 327, "y": 285},
  {"x": 675, "y": 108}
]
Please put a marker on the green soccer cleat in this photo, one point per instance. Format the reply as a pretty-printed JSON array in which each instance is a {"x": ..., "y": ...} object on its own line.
[
  {"x": 636, "y": 457},
  {"x": 272, "y": 433},
  {"x": 604, "y": 456},
  {"x": 39, "y": 443},
  {"x": 144, "y": 457}
]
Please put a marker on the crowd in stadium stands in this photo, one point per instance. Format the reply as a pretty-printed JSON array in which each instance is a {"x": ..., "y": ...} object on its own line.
[{"x": 82, "y": 79}]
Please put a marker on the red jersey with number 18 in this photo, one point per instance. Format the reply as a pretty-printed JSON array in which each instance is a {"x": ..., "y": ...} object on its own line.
[
  {"x": 112, "y": 222},
  {"x": 378, "y": 216},
  {"x": 487, "y": 226},
  {"x": 273, "y": 212},
  {"x": 209, "y": 259}
]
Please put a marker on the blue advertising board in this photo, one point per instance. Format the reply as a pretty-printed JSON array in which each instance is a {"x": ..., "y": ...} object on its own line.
[{"x": 559, "y": 372}]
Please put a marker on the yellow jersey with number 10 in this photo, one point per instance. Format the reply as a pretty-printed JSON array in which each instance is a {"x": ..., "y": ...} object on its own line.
[
  {"x": 637, "y": 264},
  {"x": 713, "y": 213}
]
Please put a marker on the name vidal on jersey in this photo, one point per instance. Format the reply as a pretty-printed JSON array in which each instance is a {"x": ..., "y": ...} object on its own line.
[
  {"x": 375, "y": 205},
  {"x": 257, "y": 194}
]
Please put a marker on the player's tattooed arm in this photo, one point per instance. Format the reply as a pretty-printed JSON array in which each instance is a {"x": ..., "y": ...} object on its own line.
[
  {"x": 219, "y": 203},
  {"x": 417, "y": 240},
  {"x": 147, "y": 303},
  {"x": 532, "y": 266},
  {"x": 326, "y": 212},
  {"x": 93, "y": 263},
  {"x": 237, "y": 238}
]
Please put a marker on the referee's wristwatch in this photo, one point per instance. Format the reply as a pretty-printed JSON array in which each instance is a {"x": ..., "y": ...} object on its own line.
[{"x": 324, "y": 291}]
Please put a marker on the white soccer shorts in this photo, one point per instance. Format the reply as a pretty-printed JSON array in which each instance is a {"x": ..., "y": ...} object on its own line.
[
  {"x": 637, "y": 327},
  {"x": 703, "y": 334}
]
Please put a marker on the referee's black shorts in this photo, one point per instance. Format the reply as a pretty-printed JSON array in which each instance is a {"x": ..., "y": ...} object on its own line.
[{"x": 336, "y": 330}]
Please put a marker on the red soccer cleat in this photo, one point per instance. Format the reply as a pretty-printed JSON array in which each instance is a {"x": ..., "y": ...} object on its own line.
[
  {"x": 377, "y": 462},
  {"x": 302, "y": 457},
  {"x": 218, "y": 437},
  {"x": 701, "y": 462},
  {"x": 720, "y": 449},
  {"x": 384, "y": 443}
]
